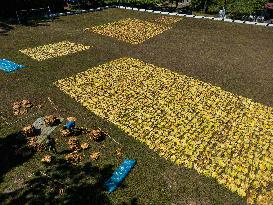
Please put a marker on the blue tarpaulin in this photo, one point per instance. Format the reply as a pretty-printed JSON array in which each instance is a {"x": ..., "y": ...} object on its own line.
[
  {"x": 119, "y": 174},
  {"x": 9, "y": 66}
]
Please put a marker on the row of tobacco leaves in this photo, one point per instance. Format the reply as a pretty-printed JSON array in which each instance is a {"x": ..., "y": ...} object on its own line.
[
  {"x": 135, "y": 31},
  {"x": 187, "y": 121},
  {"x": 53, "y": 50}
]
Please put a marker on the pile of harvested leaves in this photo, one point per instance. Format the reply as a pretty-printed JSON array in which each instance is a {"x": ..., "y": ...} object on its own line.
[
  {"x": 21, "y": 107},
  {"x": 74, "y": 158},
  {"x": 50, "y": 120}
]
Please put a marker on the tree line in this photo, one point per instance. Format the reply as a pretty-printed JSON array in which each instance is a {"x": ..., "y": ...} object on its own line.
[
  {"x": 235, "y": 8},
  {"x": 9, "y": 7}
]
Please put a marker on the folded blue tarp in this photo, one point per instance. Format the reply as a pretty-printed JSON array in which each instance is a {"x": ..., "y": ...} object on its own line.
[
  {"x": 9, "y": 66},
  {"x": 119, "y": 174}
]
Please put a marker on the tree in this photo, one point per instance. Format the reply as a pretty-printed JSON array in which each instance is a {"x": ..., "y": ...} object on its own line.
[
  {"x": 239, "y": 8},
  {"x": 235, "y": 8},
  {"x": 212, "y": 5},
  {"x": 8, "y": 8}
]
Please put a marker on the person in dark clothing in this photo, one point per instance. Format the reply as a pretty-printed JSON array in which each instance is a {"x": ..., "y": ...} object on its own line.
[
  {"x": 71, "y": 123},
  {"x": 51, "y": 144}
]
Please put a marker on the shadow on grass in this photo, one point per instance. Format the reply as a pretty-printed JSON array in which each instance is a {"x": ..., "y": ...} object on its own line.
[
  {"x": 35, "y": 23},
  {"x": 6, "y": 25},
  {"x": 13, "y": 152},
  {"x": 62, "y": 183},
  {"x": 5, "y": 28},
  {"x": 133, "y": 201},
  {"x": 56, "y": 183}
]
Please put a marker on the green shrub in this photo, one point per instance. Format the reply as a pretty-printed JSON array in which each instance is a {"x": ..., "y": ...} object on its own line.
[
  {"x": 239, "y": 8},
  {"x": 235, "y": 8},
  {"x": 197, "y": 5},
  {"x": 214, "y": 5}
]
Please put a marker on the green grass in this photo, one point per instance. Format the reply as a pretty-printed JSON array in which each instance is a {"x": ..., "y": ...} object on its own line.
[{"x": 237, "y": 58}]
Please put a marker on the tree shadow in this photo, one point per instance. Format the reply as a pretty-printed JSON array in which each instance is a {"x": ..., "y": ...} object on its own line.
[
  {"x": 13, "y": 152},
  {"x": 7, "y": 25},
  {"x": 5, "y": 28},
  {"x": 62, "y": 183},
  {"x": 36, "y": 22},
  {"x": 66, "y": 151},
  {"x": 133, "y": 201}
]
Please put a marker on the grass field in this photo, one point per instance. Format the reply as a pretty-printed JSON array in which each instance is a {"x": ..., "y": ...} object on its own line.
[{"x": 213, "y": 58}]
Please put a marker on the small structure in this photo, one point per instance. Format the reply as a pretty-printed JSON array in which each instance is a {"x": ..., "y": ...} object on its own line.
[{"x": 43, "y": 129}]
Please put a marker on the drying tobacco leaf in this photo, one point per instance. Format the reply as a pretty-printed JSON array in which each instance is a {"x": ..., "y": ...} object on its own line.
[
  {"x": 26, "y": 103},
  {"x": 34, "y": 145},
  {"x": 94, "y": 155},
  {"x": 74, "y": 144},
  {"x": 16, "y": 105},
  {"x": 96, "y": 135},
  {"x": 73, "y": 119},
  {"x": 32, "y": 142},
  {"x": 85, "y": 146},
  {"x": 16, "y": 112},
  {"x": 21, "y": 107},
  {"x": 74, "y": 158},
  {"x": 66, "y": 132},
  {"x": 50, "y": 120},
  {"x": 47, "y": 159},
  {"x": 28, "y": 131},
  {"x": 40, "y": 147}
]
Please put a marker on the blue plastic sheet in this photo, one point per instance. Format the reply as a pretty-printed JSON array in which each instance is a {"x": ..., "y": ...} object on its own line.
[
  {"x": 9, "y": 66},
  {"x": 119, "y": 175}
]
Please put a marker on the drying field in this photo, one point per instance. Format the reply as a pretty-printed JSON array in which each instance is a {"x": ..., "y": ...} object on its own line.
[{"x": 189, "y": 99}]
